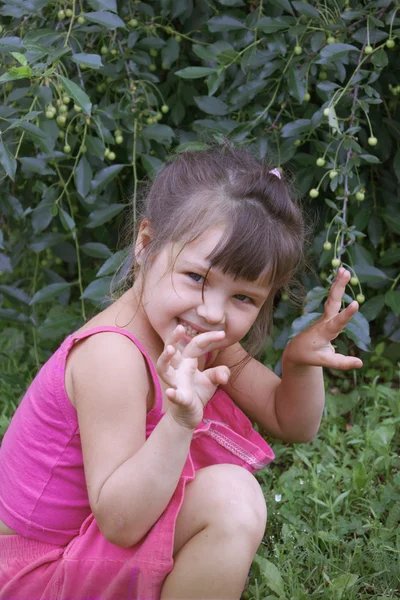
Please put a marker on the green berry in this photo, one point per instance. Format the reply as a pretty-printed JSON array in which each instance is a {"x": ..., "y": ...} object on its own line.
[
  {"x": 360, "y": 298},
  {"x": 119, "y": 139},
  {"x": 335, "y": 262},
  {"x": 164, "y": 109},
  {"x": 298, "y": 49},
  {"x": 111, "y": 156},
  {"x": 326, "y": 112},
  {"x": 66, "y": 99},
  {"x": 61, "y": 15},
  {"x": 178, "y": 39},
  {"x": 297, "y": 143},
  {"x": 320, "y": 162},
  {"x": 307, "y": 97},
  {"x": 314, "y": 193},
  {"x": 61, "y": 135},
  {"x": 360, "y": 196},
  {"x": 106, "y": 152},
  {"x": 83, "y": 149},
  {"x": 63, "y": 109},
  {"x": 113, "y": 51},
  {"x": 323, "y": 275},
  {"x": 333, "y": 174},
  {"x": 150, "y": 121},
  {"x": 327, "y": 246},
  {"x": 368, "y": 49},
  {"x": 1, "y": 28},
  {"x": 117, "y": 132},
  {"x": 104, "y": 50},
  {"x": 77, "y": 108},
  {"x": 61, "y": 120},
  {"x": 323, "y": 75},
  {"x": 133, "y": 23},
  {"x": 390, "y": 43},
  {"x": 354, "y": 280},
  {"x": 69, "y": 12},
  {"x": 285, "y": 296},
  {"x": 153, "y": 52},
  {"x": 49, "y": 114},
  {"x": 372, "y": 141},
  {"x": 152, "y": 67},
  {"x": 81, "y": 20},
  {"x": 330, "y": 40},
  {"x": 67, "y": 149}
]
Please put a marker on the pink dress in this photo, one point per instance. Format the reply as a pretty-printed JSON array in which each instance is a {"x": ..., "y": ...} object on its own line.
[{"x": 42, "y": 481}]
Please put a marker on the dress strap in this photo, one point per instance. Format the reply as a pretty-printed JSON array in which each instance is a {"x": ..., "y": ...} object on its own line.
[{"x": 84, "y": 334}]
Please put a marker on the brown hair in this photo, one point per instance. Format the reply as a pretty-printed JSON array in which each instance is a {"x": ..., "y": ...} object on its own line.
[{"x": 264, "y": 226}]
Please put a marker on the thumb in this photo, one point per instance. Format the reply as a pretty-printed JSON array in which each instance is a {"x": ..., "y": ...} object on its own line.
[{"x": 218, "y": 375}]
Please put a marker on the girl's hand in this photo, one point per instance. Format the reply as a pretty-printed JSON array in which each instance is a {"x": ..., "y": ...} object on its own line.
[
  {"x": 190, "y": 389},
  {"x": 313, "y": 345}
]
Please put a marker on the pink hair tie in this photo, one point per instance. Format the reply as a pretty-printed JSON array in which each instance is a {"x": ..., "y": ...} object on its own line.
[{"x": 275, "y": 172}]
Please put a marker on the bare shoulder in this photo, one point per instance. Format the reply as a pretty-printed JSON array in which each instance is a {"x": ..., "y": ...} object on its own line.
[{"x": 105, "y": 354}]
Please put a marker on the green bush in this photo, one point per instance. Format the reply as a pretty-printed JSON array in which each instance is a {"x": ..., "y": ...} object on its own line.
[{"x": 97, "y": 95}]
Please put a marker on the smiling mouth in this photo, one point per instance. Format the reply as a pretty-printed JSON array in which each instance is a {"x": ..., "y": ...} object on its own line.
[{"x": 189, "y": 330}]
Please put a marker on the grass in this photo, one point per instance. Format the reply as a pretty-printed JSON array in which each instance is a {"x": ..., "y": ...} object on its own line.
[{"x": 334, "y": 504}]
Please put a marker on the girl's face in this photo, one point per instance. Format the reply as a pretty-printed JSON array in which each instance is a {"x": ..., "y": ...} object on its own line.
[{"x": 172, "y": 293}]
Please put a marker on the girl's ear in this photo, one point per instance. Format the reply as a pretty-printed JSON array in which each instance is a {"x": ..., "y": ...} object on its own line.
[{"x": 143, "y": 238}]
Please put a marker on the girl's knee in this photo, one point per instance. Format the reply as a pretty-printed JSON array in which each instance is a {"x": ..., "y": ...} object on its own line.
[{"x": 231, "y": 499}]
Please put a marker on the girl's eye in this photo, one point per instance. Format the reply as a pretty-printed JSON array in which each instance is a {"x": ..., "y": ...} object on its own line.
[
  {"x": 243, "y": 298},
  {"x": 195, "y": 276}
]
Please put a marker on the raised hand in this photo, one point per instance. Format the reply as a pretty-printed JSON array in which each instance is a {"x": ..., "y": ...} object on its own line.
[
  {"x": 313, "y": 345},
  {"x": 190, "y": 389}
]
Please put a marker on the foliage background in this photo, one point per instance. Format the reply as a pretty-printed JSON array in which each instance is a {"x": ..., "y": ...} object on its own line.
[{"x": 96, "y": 95}]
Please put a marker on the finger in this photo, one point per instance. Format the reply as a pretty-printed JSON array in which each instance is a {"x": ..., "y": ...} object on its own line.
[
  {"x": 203, "y": 343},
  {"x": 341, "y": 362},
  {"x": 176, "y": 397},
  {"x": 218, "y": 375},
  {"x": 339, "y": 321},
  {"x": 334, "y": 302},
  {"x": 164, "y": 366}
]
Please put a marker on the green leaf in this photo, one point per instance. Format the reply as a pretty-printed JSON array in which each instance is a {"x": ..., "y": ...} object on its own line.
[
  {"x": 21, "y": 58},
  {"x": 274, "y": 24},
  {"x": 77, "y": 94},
  {"x": 108, "y": 19},
  {"x": 113, "y": 263},
  {"x": 7, "y": 161},
  {"x": 396, "y": 164},
  {"x": 103, "y": 215},
  {"x": 170, "y": 52},
  {"x": 371, "y": 309},
  {"x": 66, "y": 220},
  {"x": 357, "y": 329},
  {"x": 215, "y": 80},
  {"x": 271, "y": 575},
  {"x": 191, "y": 147},
  {"x": 303, "y": 322},
  {"x": 370, "y": 158},
  {"x": 152, "y": 164},
  {"x": 297, "y": 83},
  {"x": 16, "y": 293},
  {"x": 104, "y": 5},
  {"x": 98, "y": 289},
  {"x": 211, "y": 105},
  {"x": 96, "y": 250},
  {"x": 194, "y": 72},
  {"x": 93, "y": 61},
  {"x": 83, "y": 177},
  {"x": 342, "y": 583},
  {"x": 296, "y": 128},
  {"x": 369, "y": 274},
  {"x": 306, "y": 9},
  {"x": 104, "y": 176},
  {"x": 49, "y": 291},
  {"x": 224, "y": 23},
  {"x": 392, "y": 299},
  {"x": 159, "y": 133},
  {"x": 335, "y": 51},
  {"x": 58, "y": 323}
]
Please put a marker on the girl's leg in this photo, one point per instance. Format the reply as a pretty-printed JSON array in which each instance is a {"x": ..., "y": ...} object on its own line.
[{"x": 218, "y": 530}]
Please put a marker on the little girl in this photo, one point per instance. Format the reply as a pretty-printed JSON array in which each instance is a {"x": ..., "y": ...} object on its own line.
[{"x": 120, "y": 480}]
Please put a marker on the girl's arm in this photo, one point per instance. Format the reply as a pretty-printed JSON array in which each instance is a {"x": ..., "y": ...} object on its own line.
[
  {"x": 291, "y": 408},
  {"x": 130, "y": 480}
]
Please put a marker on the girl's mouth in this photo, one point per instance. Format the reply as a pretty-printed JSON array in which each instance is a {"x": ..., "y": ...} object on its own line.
[{"x": 189, "y": 330}]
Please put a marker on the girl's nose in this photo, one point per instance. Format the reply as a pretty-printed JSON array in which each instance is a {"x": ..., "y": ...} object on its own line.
[{"x": 212, "y": 309}]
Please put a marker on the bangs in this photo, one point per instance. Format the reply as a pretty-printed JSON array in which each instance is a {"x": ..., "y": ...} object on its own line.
[{"x": 249, "y": 246}]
